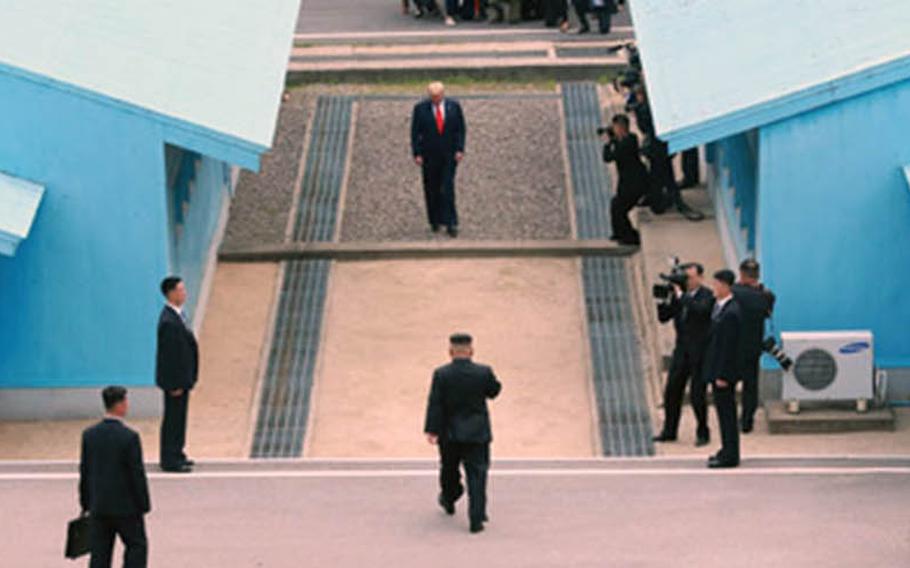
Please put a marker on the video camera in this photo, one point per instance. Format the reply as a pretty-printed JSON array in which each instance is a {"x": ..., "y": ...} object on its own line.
[
  {"x": 677, "y": 276},
  {"x": 608, "y": 130}
]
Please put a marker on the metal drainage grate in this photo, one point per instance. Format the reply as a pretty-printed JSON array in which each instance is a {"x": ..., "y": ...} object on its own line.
[
  {"x": 285, "y": 398},
  {"x": 625, "y": 423}
]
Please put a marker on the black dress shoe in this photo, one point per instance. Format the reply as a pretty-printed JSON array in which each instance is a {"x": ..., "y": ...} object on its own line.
[
  {"x": 476, "y": 527},
  {"x": 747, "y": 427},
  {"x": 452, "y": 231},
  {"x": 434, "y": 228},
  {"x": 178, "y": 468},
  {"x": 189, "y": 462},
  {"x": 447, "y": 506},
  {"x": 663, "y": 437},
  {"x": 702, "y": 441},
  {"x": 720, "y": 463}
]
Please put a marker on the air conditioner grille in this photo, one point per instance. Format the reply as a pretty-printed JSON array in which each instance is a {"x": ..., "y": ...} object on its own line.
[{"x": 815, "y": 369}]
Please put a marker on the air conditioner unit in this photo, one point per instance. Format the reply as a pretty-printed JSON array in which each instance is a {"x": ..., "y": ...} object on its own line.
[{"x": 828, "y": 366}]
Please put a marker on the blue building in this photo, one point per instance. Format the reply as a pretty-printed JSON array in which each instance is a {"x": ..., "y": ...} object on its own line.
[
  {"x": 805, "y": 111},
  {"x": 122, "y": 130}
]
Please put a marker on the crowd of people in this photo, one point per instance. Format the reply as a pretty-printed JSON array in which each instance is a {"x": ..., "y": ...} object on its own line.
[
  {"x": 554, "y": 13},
  {"x": 719, "y": 333}
]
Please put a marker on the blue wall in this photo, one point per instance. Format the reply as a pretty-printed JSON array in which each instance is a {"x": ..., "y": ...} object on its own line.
[
  {"x": 80, "y": 297},
  {"x": 834, "y": 219},
  {"x": 198, "y": 188},
  {"x": 734, "y": 163}
]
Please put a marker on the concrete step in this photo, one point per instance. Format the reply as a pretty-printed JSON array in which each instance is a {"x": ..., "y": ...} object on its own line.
[
  {"x": 557, "y": 59},
  {"x": 425, "y": 249},
  {"x": 827, "y": 419}
]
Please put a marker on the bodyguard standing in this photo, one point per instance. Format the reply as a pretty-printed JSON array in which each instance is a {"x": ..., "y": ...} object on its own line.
[
  {"x": 113, "y": 488},
  {"x": 720, "y": 367},
  {"x": 177, "y": 368},
  {"x": 756, "y": 303},
  {"x": 459, "y": 422},
  {"x": 437, "y": 144},
  {"x": 690, "y": 310}
]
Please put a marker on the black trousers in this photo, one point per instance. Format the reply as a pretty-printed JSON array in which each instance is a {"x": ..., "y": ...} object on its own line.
[
  {"x": 555, "y": 12},
  {"x": 690, "y": 166},
  {"x": 685, "y": 369},
  {"x": 131, "y": 531},
  {"x": 604, "y": 14},
  {"x": 476, "y": 460},
  {"x": 173, "y": 429},
  {"x": 439, "y": 191},
  {"x": 627, "y": 196},
  {"x": 748, "y": 374},
  {"x": 725, "y": 404},
  {"x": 664, "y": 191}
]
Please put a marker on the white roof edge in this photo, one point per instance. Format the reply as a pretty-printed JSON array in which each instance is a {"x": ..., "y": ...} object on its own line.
[{"x": 19, "y": 201}]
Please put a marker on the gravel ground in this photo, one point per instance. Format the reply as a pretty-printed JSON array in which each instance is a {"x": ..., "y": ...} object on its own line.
[
  {"x": 259, "y": 210},
  {"x": 511, "y": 184}
]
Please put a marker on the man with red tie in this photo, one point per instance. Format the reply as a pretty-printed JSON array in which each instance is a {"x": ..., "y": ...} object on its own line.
[{"x": 437, "y": 144}]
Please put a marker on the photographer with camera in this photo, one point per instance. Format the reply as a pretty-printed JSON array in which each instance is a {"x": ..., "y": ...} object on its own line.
[
  {"x": 756, "y": 304},
  {"x": 622, "y": 147},
  {"x": 688, "y": 302}
]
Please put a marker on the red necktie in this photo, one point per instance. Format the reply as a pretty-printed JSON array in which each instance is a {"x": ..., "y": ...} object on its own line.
[{"x": 440, "y": 122}]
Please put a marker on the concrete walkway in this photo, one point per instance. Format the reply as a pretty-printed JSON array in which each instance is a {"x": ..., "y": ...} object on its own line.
[
  {"x": 386, "y": 328},
  {"x": 543, "y": 514}
]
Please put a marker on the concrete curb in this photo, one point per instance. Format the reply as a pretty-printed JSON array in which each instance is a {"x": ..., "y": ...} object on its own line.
[
  {"x": 415, "y": 250},
  {"x": 502, "y": 69}
]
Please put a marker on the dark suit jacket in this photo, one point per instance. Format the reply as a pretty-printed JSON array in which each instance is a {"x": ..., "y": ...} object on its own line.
[
  {"x": 427, "y": 142},
  {"x": 691, "y": 315},
  {"x": 177, "y": 359},
  {"x": 723, "y": 343},
  {"x": 633, "y": 175},
  {"x": 756, "y": 304},
  {"x": 112, "y": 479},
  {"x": 457, "y": 409}
]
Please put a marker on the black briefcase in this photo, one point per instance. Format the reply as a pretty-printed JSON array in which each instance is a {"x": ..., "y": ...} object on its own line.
[{"x": 77, "y": 537}]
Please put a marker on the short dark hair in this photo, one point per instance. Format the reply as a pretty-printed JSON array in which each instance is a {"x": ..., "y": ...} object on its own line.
[
  {"x": 112, "y": 395},
  {"x": 460, "y": 339},
  {"x": 620, "y": 119},
  {"x": 696, "y": 265},
  {"x": 750, "y": 268},
  {"x": 169, "y": 284},
  {"x": 725, "y": 276}
]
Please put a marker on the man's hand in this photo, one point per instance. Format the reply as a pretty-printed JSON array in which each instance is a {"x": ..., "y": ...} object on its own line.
[
  {"x": 176, "y": 392},
  {"x": 459, "y": 156},
  {"x": 433, "y": 439},
  {"x": 721, "y": 383},
  {"x": 418, "y": 160}
]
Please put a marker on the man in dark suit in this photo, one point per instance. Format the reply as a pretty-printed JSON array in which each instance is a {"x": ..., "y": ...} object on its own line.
[
  {"x": 622, "y": 148},
  {"x": 459, "y": 422},
  {"x": 690, "y": 310},
  {"x": 112, "y": 486},
  {"x": 176, "y": 371},
  {"x": 756, "y": 303},
  {"x": 720, "y": 367},
  {"x": 437, "y": 144}
]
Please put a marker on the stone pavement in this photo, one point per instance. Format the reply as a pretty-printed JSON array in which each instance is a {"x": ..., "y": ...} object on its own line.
[{"x": 590, "y": 513}]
